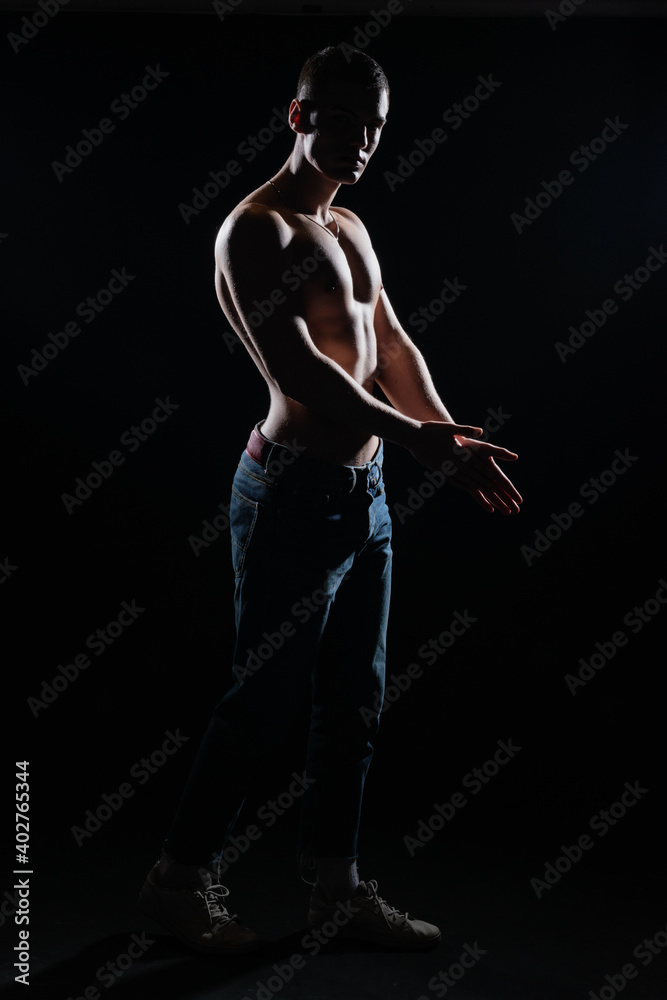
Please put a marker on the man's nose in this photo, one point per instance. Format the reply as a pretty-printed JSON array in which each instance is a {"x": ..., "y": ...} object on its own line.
[{"x": 359, "y": 137}]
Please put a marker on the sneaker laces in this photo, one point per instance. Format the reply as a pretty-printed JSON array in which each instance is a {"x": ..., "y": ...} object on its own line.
[
  {"x": 392, "y": 916},
  {"x": 213, "y": 896}
]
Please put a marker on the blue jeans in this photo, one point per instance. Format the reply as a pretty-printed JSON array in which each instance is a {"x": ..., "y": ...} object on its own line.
[{"x": 311, "y": 551}]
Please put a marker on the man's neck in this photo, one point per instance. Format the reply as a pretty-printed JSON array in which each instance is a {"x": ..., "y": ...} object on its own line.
[{"x": 304, "y": 188}]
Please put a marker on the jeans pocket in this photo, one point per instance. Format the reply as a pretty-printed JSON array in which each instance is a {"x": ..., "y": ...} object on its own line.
[{"x": 242, "y": 520}]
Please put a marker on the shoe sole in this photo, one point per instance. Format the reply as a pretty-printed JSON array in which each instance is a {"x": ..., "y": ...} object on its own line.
[
  {"x": 368, "y": 937},
  {"x": 147, "y": 908}
]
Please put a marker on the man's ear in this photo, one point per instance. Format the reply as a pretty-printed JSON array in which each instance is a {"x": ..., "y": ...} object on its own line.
[{"x": 299, "y": 115}]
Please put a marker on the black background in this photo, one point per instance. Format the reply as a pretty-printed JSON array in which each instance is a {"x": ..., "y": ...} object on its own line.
[{"x": 163, "y": 337}]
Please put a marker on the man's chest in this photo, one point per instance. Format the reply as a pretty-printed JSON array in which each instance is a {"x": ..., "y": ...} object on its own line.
[{"x": 337, "y": 274}]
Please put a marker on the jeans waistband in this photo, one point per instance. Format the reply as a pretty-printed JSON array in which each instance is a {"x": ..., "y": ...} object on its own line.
[{"x": 280, "y": 459}]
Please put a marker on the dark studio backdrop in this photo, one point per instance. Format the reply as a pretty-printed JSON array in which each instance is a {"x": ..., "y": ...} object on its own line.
[{"x": 542, "y": 593}]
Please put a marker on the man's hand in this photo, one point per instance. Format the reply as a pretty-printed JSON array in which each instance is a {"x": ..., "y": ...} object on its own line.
[{"x": 468, "y": 464}]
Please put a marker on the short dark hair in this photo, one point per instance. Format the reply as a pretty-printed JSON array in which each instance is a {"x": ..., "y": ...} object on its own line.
[{"x": 337, "y": 63}]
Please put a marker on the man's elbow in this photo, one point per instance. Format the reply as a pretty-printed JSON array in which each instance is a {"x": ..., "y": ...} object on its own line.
[{"x": 292, "y": 380}]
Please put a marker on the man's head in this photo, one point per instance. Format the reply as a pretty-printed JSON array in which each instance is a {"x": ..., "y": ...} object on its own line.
[
  {"x": 333, "y": 64},
  {"x": 340, "y": 107}
]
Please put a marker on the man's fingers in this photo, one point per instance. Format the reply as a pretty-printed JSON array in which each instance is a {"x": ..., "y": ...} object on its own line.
[
  {"x": 491, "y": 450},
  {"x": 494, "y": 492},
  {"x": 477, "y": 473},
  {"x": 510, "y": 488},
  {"x": 501, "y": 502},
  {"x": 494, "y": 501},
  {"x": 482, "y": 501},
  {"x": 466, "y": 430},
  {"x": 486, "y": 471},
  {"x": 483, "y": 492},
  {"x": 486, "y": 475}
]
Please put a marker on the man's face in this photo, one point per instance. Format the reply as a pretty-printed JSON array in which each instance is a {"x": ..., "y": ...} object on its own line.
[{"x": 342, "y": 129}]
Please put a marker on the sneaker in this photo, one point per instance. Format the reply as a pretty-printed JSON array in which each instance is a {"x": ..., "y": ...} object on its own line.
[
  {"x": 197, "y": 915},
  {"x": 370, "y": 918}
]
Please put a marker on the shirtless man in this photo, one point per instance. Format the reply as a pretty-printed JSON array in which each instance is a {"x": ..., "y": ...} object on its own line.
[{"x": 311, "y": 534}]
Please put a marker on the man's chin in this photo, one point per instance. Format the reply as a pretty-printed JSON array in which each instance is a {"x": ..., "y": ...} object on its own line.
[{"x": 346, "y": 173}]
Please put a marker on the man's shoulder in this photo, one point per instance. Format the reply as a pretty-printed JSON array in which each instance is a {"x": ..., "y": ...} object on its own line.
[
  {"x": 252, "y": 212},
  {"x": 251, "y": 220},
  {"x": 352, "y": 220},
  {"x": 350, "y": 216}
]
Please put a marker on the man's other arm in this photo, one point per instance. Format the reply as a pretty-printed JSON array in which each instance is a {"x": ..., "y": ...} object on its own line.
[
  {"x": 402, "y": 372},
  {"x": 406, "y": 381}
]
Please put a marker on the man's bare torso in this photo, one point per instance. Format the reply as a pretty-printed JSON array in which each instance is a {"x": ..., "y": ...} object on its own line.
[{"x": 334, "y": 286}]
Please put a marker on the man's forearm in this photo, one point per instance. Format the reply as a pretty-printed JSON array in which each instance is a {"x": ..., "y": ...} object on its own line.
[
  {"x": 406, "y": 382},
  {"x": 322, "y": 385}
]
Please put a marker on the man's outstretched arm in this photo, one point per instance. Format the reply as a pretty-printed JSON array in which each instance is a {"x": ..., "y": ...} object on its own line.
[
  {"x": 252, "y": 251},
  {"x": 406, "y": 381}
]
